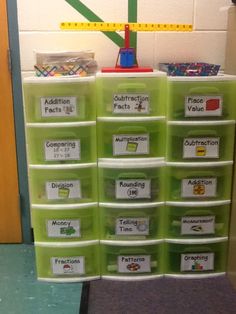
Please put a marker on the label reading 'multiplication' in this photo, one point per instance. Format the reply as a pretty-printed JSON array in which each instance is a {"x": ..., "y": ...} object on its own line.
[
  {"x": 68, "y": 265},
  {"x": 63, "y": 189},
  {"x": 62, "y": 150},
  {"x": 199, "y": 187},
  {"x": 198, "y": 262},
  {"x": 63, "y": 228},
  {"x": 134, "y": 264},
  {"x": 206, "y": 147},
  {"x": 58, "y": 106},
  {"x": 130, "y": 144},
  {"x": 133, "y": 189},
  {"x": 197, "y": 225},
  {"x": 203, "y": 106},
  {"x": 132, "y": 226},
  {"x": 131, "y": 103}
]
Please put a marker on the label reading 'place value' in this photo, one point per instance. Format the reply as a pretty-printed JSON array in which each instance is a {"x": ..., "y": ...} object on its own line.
[
  {"x": 130, "y": 144},
  {"x": 203, "y": 106},
  {"x": 206, "y": 147},
  {"x": 134, "y": 264},
  {"x": 197, "y": 225},
  {"x": 62, "y": 150},
  {"x": 198, "y": 262},
  {"x": 133, "y": 189},
  {"x": 131, "y": 103},
  {"x": 68, "y": 265},
  {"x": 199, "y": 187},
  {"x": 58, "y": 106},
  {"x": 63, "y": 228},
  {"x": 63, "y": 189},
  {"x": 132, "y": 226}
]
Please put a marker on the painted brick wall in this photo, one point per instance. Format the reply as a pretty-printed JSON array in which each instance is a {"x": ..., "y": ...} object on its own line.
[{"x": 39, "y": 30}]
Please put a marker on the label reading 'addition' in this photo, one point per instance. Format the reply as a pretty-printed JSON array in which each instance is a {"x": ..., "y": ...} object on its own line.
[
  {"x": 130, "y": 144},
  {"x": 68, "y": 265},
  {"x": 62, "y": 150},
  {"x": 63, "y": 228},
  {"x": 134, "y": 264},
  {"x": 206, "y": 147},
  {"x": 203, "y": 106},
  {"x": 63, "y": 189},
  {"x": 133, "y": 189},
  {"x": 58, "y": 106},
  {"x": 199, "y": 187},
  {"x": 198, "y": 262},
  {"x": 198, "y": 225},
  {"x": 131, "y": 103},
  {"x": 132, "y": 226}
]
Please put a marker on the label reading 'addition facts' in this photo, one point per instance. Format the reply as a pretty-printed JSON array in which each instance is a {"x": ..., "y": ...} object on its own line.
[
  {"x": 203, "y": 106},
  {"x": 206, "y": 147},
  {"x": 131, "y": 103},
  {"x": 58, "y": 106},
  {"x": 134, "y": 264},
  {"x": 63, "y": 189},
  {"x": 132, "y": 226},
  {"x": 133, "y": 189},
  {"x": 130, "y": 144},
  {"x": 62, "y": 150},
  {"x": 198, "y": 225},
  {"x": 63, "y": 228},
  {"x": 198, "y": 262},
  {"x": 68, "y": 265},
  {"x": 199, "y": 187}
]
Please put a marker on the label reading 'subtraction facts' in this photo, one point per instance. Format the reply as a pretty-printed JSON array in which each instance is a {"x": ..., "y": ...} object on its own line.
[
  {"x": 62, "y": 150},
  {"x": 131, "y": 103},
  {"x": 198, "y": 225},
  {"x": 68, "y": 265},
  {"x": 63, "y": 189},
  {"x": 203, "y": 106},
  {"x": 199, "y": 187},
  {"x": 63, "y": 228},
  {"x": 206, "y": 147},
  {"x": 130, "y": 189},
  {"x": 197, "y": 262},
  {"x": 132, "y": 226},
  {"x": 134, "y": 264},
  {"x": 131, "y": 144},
  {"x": 58, "y": 106}
]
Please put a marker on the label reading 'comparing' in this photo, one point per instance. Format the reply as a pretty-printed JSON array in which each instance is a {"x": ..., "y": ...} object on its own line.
[
  {"x": 63, "y": 228},
  {"x": 203, "y": 106},
  {"x": 131, "y": 103},
  {"x": 62, "y": 150},
  {"x": 130, "y": 144},
  {"x": 198, "y": 262},
  {"x": 133, "y": 189},
  {"x": 205, "y": 147},
  {"x": 199, "y": 187},
  {"x": 134, "y": 264},
  {"x": 197, "y": 225},
  {"x": 68, "y": 265},
  {"x": 132, "y": 226},
  {"x": 63, "y": 189},
  {"x": 58, "y": 106}
]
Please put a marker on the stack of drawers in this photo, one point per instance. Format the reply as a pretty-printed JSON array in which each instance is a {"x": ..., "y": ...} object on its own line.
[
  {"x": 200, "y": 145},
  {"x": 131, "y": 148},
  {"x": 60, "y": 117}
]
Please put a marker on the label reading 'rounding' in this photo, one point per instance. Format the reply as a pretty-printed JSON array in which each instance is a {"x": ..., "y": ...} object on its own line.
[
  {"x": 63, "y": 189},
  {"x": 198, "y": 225},
  {"x": 62, "y": 150},
  {"x": 198, "y": 262},
  {"x": 203, "y": 106},
  {"x": 131, "y": 144},
  {"x": 131, "y": 103},
  {"x": 134, "y": 264},
  {"x": 199, "y": 187},
  {"x": 206, "y": 147},
  {"x": 68, "y": 265},
  {"x": 63, "y": 228},
  {"x": 132, "y": 226},
  {"x": 133, "y": 189},
  {"x": 58, "y": 106}
]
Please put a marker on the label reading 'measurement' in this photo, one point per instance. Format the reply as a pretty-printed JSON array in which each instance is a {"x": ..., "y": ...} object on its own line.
[
  {"x": 68, "y": 265},
  {"x": 205, "y": 147},
  {"x": 58, "y": 106},
  {"x": 134, "y": 264},
  {"x": 63, "y": 189},
  {"x": 197, "y": 225},
  {"x": 203, "y": 106},
  {"x": 199, "y": 187},
  {"x": 132, "y": 226},
  {"x": 198, "y": 262},
  {"x": 131, "y": 103},
  {"x": 63, "y": 228},
  {"x": 130, "y": 144},
  {"x": 62, "y": 150},
  {"x": 133, "y": 189}
]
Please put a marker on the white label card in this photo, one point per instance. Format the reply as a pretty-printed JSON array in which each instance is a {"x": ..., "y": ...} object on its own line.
[
  {"x": 199, "y": 187},
  {"x": 68, "y": 265},
  {"x": 133, "y": 189},
  {"x": 203, "y": 106},
  {"x": 63, "y": 189},
  {"x": 197, "y": 225},
  {"x": 58, "y": 106},
  {"x": 63, "y": 228},
  {"x": 134, "y": 264},
  {"x": 62, "y": 150},
  {"x": 131, "y": 103},
  {"x": 205, "y": 147},
  {"x": 132, "y": 226},
  {"x": 131, "y": 144},
  {"x": 198, "y": 262}
]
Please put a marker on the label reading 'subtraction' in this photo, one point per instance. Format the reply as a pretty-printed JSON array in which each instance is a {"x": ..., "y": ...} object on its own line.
[
  {"x": 197, "y": 225},
  {"x": 203, "y": 106},
  {"x": 130, "y": 189},
  {"x": 63, "y": 228},
  {"x": 68, "y": 265},
  {"x": 197, "y": 262},
  {"x": 134, "y": 264},
  {"x": 58, "y": 106},
  {"x": 130, "y": 144},
  {"x": 206, "y": 147},
  {"x": 62, "y": 150},
  {"x": 131, "y": 103},
  {"x": 63, "y": 189},
  {"x": 132, "y": 226},
  {"x": 199, "y": 187}
]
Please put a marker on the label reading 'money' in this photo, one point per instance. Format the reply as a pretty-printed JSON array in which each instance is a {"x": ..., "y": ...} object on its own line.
[
  {"x": 131, "y": 103},
  {"x": 62, "y": 150},
  {"x": 203, "y": 106},
  {"x": 58, "y": 106},
  {"x": 131, "y": 144},
  {"x": 63, "y": 228}
]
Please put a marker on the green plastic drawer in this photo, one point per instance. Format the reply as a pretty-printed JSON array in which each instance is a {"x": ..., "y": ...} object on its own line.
[
  {"x": 67, "y": 262},
  {"x": 57, "y": 143},
  {"x": 125, "y": 222},
  {"x": 197, "y": 219},
  {"x": 61, "y": 99},
  {"x": 131, "y": 180},
  {"x": 131, "y": 94},
  {"x": 203, "y": 98},
  {"x": 208, "y": 181},
  {"x": 131, "y": 137},
  {"x": 200, "y": 140},
  {"x": 65, "y": 223},
  {"x": 63, "y": 184},
  {"x": 124, "y": 260},
  {"x": 203, "y": 258}
]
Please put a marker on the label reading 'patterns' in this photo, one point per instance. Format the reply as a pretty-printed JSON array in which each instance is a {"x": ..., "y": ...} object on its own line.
[{"x": 134, "y": 264}]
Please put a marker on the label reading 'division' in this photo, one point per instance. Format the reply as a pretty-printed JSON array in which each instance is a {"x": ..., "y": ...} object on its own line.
[
  {"x": 134, "y": 264},
  {"x": 203, "y": 106},
  {"x": 131, "y": 103},
  {"x": 198, "y": 225},
  {"x": 58, "y": 106},
  {"x": 132, "y": 226},
  {"x": 63, "y": 189},
  {"x": 206, "y": 147},
  {"x": 68, "y": 265},
  {"x": 63, "y": 228},
  {"x": 197, "y": 262},
  {"x": 199, "y": 187},
  {"x": 62, "y": 150},
  {"x": 130, "y": 144},
  {"x": 130, "y": 189}
]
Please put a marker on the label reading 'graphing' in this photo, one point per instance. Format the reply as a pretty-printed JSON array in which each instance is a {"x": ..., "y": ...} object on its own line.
[{"x": 198, "y": 262}]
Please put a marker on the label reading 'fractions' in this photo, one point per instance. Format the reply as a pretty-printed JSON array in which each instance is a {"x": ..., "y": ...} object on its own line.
[
  {"x": 68, "y": 265},
  {"x": 58, "y": 106},
  {"x": 198, "y": 225},
  {"x": 132, "y": 226},
  {"x": 198, "y": 262},
  {"x": 134, "y": 264},
  {"x": 203, "y": 106},
  {"x": 62, "y": 150},
  {"x": 205, "y": 147},
  {"x": 63, "y": 189},
  {"x": 131, "y": 103},
  {"x": 199, "y": 187},
  {"x": 133, "y": 189},
  {"x": 63, "y": 228},
  {"x": 130, "y": 144}
]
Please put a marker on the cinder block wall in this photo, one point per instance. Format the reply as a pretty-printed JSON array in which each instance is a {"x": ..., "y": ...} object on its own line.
[{"x": 39, "y": 30}]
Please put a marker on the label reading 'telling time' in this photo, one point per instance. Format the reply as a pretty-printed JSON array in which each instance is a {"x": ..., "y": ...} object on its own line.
[
  {"x": 58, "y": 106},
  {"x": 68, "y": 265},
  {"x": 203, "y": 106},
  {"x": 63, "y": 228},
  {"x": 199, "y": 187},
  {"x": 132, "y": 226},
  {"x": 63, "y": 189},
  {"x": 133, "y": 189},
  {"x": 198, "y": 262},
  {"x": 130, "y": 144},
  {"x": 62, "y": 150},
  {"x": 205, "y": 147},
  {"x": 197, "y": 225},
  {"x": 134, "y": 264},
  {"x": 131, "y": 103}
]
